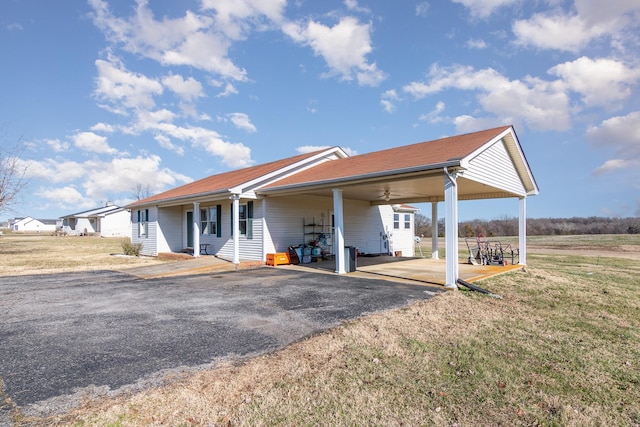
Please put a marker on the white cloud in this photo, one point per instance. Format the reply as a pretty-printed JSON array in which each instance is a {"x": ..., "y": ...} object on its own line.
[
  {"x": 562, "y": 32},
  {"x": 123, "y": 89},
  {"x": 484, "y": 8},
  {"x": 574, "y": 30},
  {"x": 229, "y": 89},
  {"x": 188, "y": 90},
  {"x": 614, "y": 165},
  {"x": 235, "y": 17},
  {"x": 389, "y": 99},
  {"x": 542, "y": 105},
  {"x": 166, "y": 143},
  {"x": 599, "y": 81},
  {"x": 344, "y": 47},
  {"x": 54, "y": 171},
  {"x": 191, "y": 40},
  {"x": 611, "y": 10},
  {"x": 121, "y": 174},
  {"x": 89, "y": 141},
  {"x": 161, "y": 123},
  {"x": 467, "y": 123},
  {"x": 65, "y": 196},
  {"x": 102, "y": 127},
  {"x": 232, "y": 154},
  {"x": 622, "y": 135},
  {"x": 434, "y": 115},
  {"x": 101, "y": 180},
  {"x": 14, "y": 26},
  {"x": 242, "y": 121},
  {"x": 422, "y": 9},
  {"x": 476, "y": 44},
  {"x": 57, "y": 145},
  {"x": 353, "y": 5}
]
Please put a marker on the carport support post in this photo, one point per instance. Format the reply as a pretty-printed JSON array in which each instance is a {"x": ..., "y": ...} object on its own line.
[
  {"x": 196, "y": 229},
  {"x": 451, "y": 228},
  {"x": 338, "y": 217},
  {"x": 236, "y": 228},
  {"x": 434, "y": 230},
  {"x": 522, "y": 231}
]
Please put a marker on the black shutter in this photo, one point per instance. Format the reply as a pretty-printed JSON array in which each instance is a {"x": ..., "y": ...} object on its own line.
[
  {"x": 218, "y": 220},
  {"x": 250, "y": 219}
]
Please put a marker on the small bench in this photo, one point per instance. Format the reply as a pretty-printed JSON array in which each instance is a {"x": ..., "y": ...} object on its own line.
[{"x": 204, "y": 247}]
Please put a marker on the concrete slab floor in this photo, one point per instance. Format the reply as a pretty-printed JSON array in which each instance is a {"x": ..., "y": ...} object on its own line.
[{"x": 423, "y": 270}]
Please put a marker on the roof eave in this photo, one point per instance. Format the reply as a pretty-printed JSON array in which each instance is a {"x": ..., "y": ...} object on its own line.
[{"x": 436, "y": 167}]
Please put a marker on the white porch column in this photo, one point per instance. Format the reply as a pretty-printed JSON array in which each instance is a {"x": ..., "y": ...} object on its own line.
[
  {"x": 434, "y": 230},
  {"x": 451, "y": 228},
  {"x": 522, "y": 230},
  {"x": 196, "y": 229},
  {"x": 263, "y": 221},
  {"x": 338, "y": 244},
  {"x": 236, "y": 228}
]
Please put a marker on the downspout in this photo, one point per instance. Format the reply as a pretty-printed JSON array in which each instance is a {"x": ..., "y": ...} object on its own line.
[{"x": 451, "y": 228}]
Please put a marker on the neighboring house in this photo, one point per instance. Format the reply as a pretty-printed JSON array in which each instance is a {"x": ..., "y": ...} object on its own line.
[
  {"x": 30, "y": 224},
  {"x": 106, "y": 221},
  {"x": 337, "y": 200}
]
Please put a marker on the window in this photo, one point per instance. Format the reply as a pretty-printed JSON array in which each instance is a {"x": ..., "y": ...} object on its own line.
[
  {"x": 204, "y": 224},
  {"x": 396, "y": 221},
  {"x": 243, "y": 220},
  {"x": 209, "y": 219},
  {"x": 213, "y": 220},
  {"x": 407, "y": 221},
  {"x": 143, "y": 219}
]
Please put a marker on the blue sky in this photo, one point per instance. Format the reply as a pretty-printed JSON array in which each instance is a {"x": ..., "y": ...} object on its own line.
[{"x": 105, "y": 95}]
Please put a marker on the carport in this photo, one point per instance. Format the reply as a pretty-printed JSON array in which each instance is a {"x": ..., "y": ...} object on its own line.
[{"x": 489, "y": 164}]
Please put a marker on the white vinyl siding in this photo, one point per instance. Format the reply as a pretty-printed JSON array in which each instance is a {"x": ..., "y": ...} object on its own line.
[
  {"x": 365, "y": 225},
  {"x": 148, "y": 239},
  {"x": 495, "y": 168},
  {"x": 170, "y": 230},
  {"x": 250, "y": 248}
]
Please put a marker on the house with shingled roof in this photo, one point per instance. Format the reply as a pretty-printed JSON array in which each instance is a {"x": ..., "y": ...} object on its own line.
[
  {"x": 106, "y": 221},
  {"x": 335, "y": 200}
]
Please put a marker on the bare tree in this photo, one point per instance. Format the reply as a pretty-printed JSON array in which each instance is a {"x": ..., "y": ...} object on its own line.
[
  {"x": 12, "y": 175},
  {"x": 141, "y": 191},
  {"x": 422, "y": 225}
]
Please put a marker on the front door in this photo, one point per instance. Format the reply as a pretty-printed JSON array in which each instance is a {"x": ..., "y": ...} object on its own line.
[{"x": 190, "y": 229}]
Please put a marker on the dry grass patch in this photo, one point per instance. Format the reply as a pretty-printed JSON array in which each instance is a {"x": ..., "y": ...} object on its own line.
[
  {"x": 560, "y": 348},
  {"x": 22, "y": 254}
]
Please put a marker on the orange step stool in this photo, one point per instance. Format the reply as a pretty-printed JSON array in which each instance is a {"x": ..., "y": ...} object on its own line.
[{"x": 279, "y": 258}]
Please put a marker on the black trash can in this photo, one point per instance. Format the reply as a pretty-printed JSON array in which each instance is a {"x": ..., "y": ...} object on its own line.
[{"x": 350, "y": 259}]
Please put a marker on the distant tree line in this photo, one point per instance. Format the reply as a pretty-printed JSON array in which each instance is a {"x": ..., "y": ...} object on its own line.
[{"x": 508, "y": 226}]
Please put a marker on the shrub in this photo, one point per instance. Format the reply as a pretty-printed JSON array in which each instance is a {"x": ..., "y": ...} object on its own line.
[{"x": 132, "y": 249}]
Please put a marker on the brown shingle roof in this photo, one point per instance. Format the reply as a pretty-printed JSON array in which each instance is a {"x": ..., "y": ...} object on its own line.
[
  {"x": 224, "y": 181},
  {"x": 408, "y": 156}
]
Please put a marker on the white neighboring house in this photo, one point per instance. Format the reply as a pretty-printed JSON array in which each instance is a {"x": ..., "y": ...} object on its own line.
[
  {"x": 30, "y": 224},
  {"x": 106, "y": 221}
]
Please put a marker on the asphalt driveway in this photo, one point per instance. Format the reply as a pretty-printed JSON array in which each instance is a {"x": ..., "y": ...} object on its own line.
[{"x": 66, "y": 336}]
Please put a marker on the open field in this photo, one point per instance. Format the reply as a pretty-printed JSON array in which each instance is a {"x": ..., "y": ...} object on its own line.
[{"x": 561, "y": 347}]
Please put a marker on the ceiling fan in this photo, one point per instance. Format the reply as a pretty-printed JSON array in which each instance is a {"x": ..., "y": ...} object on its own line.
[{"x": 386, "y": 195}]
